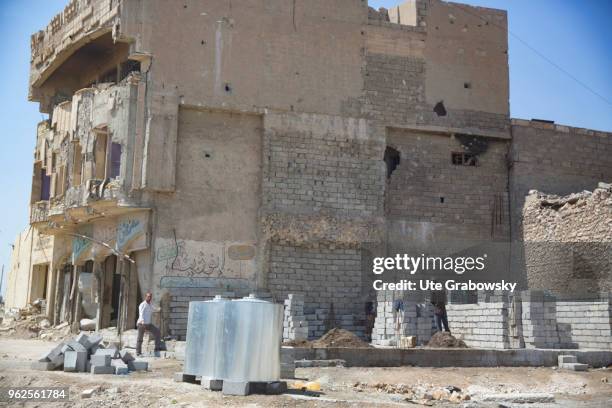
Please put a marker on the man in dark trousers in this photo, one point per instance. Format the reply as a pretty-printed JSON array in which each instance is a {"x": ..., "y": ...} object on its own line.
[
  {"x": 145, "y": 322},
  {"x": 438, "y": 300}
]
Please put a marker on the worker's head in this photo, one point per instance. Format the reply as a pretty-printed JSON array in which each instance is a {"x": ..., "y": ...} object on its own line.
[{"x": 148, "y": 297}]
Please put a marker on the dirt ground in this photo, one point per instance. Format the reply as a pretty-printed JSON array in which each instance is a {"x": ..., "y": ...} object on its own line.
[{"x": 344, "y": 387}]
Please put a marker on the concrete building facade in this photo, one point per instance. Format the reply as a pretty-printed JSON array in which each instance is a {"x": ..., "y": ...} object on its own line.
[{"x": 208, "y": 147}]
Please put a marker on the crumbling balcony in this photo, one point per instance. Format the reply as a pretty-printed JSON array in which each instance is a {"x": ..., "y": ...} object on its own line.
[
  {"x": 81, "y": 22},
  {"x": 83, "y": 170}
]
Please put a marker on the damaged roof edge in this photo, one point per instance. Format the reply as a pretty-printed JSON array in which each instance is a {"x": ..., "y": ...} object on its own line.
[{"x": 559, "y": 128}]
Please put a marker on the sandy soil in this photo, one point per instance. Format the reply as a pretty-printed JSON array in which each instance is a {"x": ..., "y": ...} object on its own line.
[{"x": 344, "y": 387}]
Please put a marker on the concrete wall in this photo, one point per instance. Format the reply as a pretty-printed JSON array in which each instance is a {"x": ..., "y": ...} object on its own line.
[
  {"x": 552, "y": 159},
  {"x": 31, "y": 252},
  {"x": 304, "y": 57}
]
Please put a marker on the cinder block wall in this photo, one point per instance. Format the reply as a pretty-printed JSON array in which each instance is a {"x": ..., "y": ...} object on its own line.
[
  {"x": 329, "y": 280},
  {"x": 585, "y": 324},
  {"x": 482, "y": 325}
]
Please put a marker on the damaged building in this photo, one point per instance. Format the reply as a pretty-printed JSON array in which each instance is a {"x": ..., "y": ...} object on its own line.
[{"x": 203, "y": 147}]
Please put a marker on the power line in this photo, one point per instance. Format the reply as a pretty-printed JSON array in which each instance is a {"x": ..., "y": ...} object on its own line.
[{"x": 537, "y": 52}]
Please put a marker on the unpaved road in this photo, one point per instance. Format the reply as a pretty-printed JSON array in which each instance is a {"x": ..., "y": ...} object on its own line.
[{"x": 344, "y": 387}]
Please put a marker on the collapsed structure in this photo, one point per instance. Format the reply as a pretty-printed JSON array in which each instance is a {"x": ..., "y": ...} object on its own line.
[{"x": 198, "y": 148}]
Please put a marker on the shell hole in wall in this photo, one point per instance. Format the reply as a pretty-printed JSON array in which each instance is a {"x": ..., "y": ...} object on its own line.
[
  {"x": 392, "y": 160},
  {"x": 440, "y": 109}
]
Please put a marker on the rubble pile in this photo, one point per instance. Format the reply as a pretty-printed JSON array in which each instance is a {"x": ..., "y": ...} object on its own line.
[
  {"x": 89, "y": 354},
  {"x": 27, "y": 322},
  {"x": 333, "y": 338},
  {"x": 339, "y": 338},
  {"x": 443, "y": 339},
  {"x": 421, "y": 394},
  {"x": 578, "y": 217}
]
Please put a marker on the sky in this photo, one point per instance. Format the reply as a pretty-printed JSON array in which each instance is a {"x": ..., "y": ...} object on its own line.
[{"x": 575, "y": 34}]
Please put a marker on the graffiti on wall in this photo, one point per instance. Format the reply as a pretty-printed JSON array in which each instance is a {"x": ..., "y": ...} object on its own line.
[{"x": 193, "y": 259}]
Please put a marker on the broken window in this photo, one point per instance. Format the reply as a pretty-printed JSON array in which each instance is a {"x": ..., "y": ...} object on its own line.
[
  {"x": 100, "y": 154},
  {"x": 45, "y": 185},
  {"x": 392, "y": 159},
  {"x": 115, "y": 160},
  {"x": 127, "y": 67},
  {"x": 61, "y": 181},
  {"x": 77, "y": 165},
  {"x": 463, "y": 159},
  {"x": 109, "y": 76}
]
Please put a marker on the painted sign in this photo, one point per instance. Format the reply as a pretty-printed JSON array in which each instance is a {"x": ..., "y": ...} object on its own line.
[
  {"x": 131, "y": 232},
  {"x": 81, "y": 246}
]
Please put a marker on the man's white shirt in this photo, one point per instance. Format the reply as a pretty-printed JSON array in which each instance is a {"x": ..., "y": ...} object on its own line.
[{"x": 145, "y": 313}]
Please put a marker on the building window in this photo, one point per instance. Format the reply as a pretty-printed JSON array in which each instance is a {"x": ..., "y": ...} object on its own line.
[
  {"x": 100, "y": 155},
  {"x": 45, "y": 185},
  {"x": 77, "y": 165},
  {"x": 115, "y": 160},
  {"x": 463, "y": 159}
]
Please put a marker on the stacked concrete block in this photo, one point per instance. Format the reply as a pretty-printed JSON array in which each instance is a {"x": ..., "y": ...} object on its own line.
[
  {"x": 585, "y": 323},
  {"x": 287, "y": 356},
  {"x": 384, "y": 333},
  {"x": 53, "y": 359},
  {"x": 401, "y": 316},
  {"x": 295, "y": 325},
  {"x": 480, "y": 325},
  {"x": 120, "y": 367},
  {"x": 539, "y": 320},
  {"x": 101, "y": 364},
  {"x": 75, "y": 361},
  {"x": 330, "y": 280},
  {"x": 569, "y": 362}
]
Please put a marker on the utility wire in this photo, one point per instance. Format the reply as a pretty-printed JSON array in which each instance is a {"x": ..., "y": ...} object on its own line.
[{"x": 535, "y": 51}]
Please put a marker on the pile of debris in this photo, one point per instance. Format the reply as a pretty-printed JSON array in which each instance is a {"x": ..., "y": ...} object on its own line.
[
  {"x": 333, "y": 338},
  {"x": 443, "y": 339},
  {"x": 26, "y": 322},
  {"x": 578, "y": 217},
  {"x": 421, "y": 394},
  {"x": 89, "y": 354}
]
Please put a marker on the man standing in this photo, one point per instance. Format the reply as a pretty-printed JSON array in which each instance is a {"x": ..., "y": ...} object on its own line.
[
  {"x": 438, "y": 300},
  {"x": 145, "y": 322}
]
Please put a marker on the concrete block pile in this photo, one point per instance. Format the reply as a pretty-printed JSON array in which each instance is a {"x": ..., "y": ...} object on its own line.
[
  {"x": 401, "y": 317},
  {"x": 295, "y": 325},
  {"x": 384, "y": 333},
  {"x": 88, "y": 354},
  {"x": 539, "y": 320}
]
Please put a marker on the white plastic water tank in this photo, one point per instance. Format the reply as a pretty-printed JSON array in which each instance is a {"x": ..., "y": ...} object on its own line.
[{"x": 237, "y": 340}]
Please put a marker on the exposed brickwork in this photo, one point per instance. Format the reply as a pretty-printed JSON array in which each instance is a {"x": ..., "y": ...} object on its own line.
[
  {"x": 394, "y": 93},
  {"x": 324, "y": 277},
  {"x": 322, "y": 166},
  {"x": 475, "y": 196}
]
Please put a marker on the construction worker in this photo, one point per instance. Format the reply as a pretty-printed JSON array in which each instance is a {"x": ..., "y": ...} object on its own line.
[
  {"x": 145, "y": 322},
  {"x": 438, "y": 300}
]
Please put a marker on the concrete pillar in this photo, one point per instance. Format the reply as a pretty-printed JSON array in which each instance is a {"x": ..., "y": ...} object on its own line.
[{"x": 98, "y": 276}]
